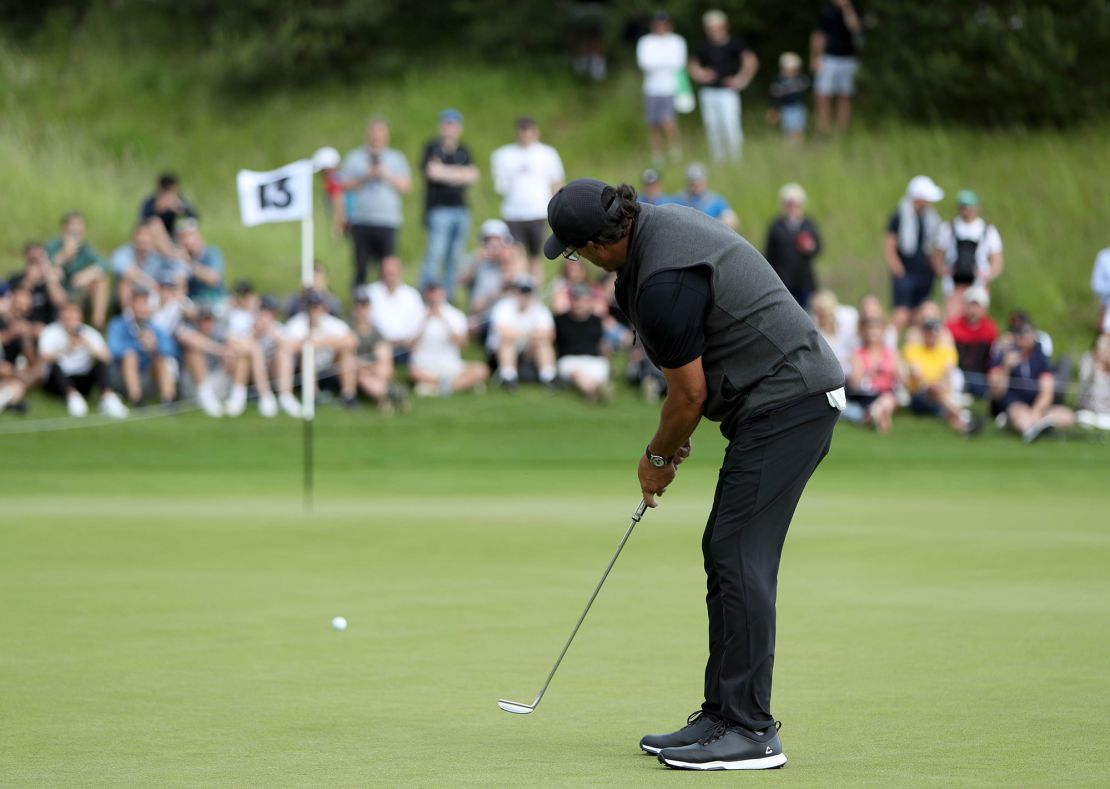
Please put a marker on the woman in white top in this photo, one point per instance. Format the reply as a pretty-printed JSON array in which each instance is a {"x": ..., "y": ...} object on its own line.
[{"x": 968, "y": 252}]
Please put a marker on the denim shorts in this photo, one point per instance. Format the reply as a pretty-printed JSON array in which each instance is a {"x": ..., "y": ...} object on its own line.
[
  {"x": 792, "y": 118},
  {"x": 658, "y": 109},
  {"x": 837, "y": 76}
]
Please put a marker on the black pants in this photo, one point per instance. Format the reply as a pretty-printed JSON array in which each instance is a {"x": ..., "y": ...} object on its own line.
[
  {"x": 59, "y": 383},
  {"x": 372, "y": 243},
  {"x": 766, "y": 467}
]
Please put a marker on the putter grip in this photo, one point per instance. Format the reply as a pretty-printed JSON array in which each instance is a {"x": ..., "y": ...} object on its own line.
[{"x": 640, "y": 510}]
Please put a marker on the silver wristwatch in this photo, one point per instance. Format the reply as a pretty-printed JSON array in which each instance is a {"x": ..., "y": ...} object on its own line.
[{"x": 657, "y": 460}]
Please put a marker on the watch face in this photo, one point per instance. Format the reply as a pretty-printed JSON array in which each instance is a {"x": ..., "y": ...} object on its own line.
[{"x": 658, "y": 461}]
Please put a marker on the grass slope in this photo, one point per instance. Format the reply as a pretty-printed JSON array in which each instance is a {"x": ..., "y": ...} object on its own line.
[
  {"x": 88, "y": 127},
  {"x": 167, "y": 604}
]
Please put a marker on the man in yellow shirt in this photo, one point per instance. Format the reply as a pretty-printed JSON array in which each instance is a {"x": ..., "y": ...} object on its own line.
[{"x": 930, "y": 363}]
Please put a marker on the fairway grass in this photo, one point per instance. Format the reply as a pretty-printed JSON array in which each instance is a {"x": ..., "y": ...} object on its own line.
[{"x": 167, "y": 605}]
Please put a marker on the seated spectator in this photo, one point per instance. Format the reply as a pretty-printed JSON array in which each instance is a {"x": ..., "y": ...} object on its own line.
[
  {"x": 76, "y": 359},
  {"x": 12, "y": 387},
  {"x": 793, "y": 241},
  {"x": 375, "y": 360},
  {"x": 618, "y": 334},
  {"x": 788, "y": 98},
  {"x": 870, "y": 308},
  {"x": 167, "y": 204},
  {"x": 931, "y": 364},
  {"x": 84, "y": 271},
  {"x": 1100, "y": 284},
  {"x": 1022, "y": 385},
  {"x": 492, "y": 267},
  {"x": 968, "y": 252},
  {"x": 18, "y": 336},
  {"x": 42, "y": 281},
  {"x": 296, "y": 303},
  {"x": 397, "y": 307},
  {"x": 838, "y": 324},
  {"x": 252, "y": 328},
  {"x": 580, "y": 361},
  {"x": 437, "y": 366},
  {"x": 698, "y": 196},
  {"x": 874, "y": 375},
  {"x": 573, "y": 276},
  {"x": 652, "y": 189},
  {"x": 206, "y": 268},
  {"x": 522, "y": 330},
  {"x": 198, "y": 351},
  {"x": 138, "y": 265},
  {"x": 144, "y": 354},
  {"x": 334, "y": 347},
  {"x": 1094, "y": 385},
  {"x": 974, "y": 334}
]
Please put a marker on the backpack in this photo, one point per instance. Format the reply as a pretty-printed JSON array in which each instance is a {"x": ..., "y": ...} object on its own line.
[{"x": 966, "y": 265}]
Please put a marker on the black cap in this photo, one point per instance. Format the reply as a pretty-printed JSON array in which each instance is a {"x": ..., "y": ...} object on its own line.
[
  {"x": 268, "y": 303},
  {"x": 243, "y": 287},
  {"x": 932, "y": 324},
  {"x": 314, "y": 298},
  {"x": 576, "y": 215}
]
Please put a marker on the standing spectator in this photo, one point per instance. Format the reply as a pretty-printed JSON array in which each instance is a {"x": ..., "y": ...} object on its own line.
[
  {"x": 374, "y": 362},
  {"x": 1100, "y": 283},
  {"x": 1094, "y": 385},
  {"x": 40, "y": 286},
  {"x": 931, "y": 364},
  {"x": 139, "y": 265},
  {"x": 449, "y": 170},
  {"x": 833, "y": 61},
  {"x": 793, "y": 241},
  {"x": 334, "y": 347},
  {"x": 788, "y": 97},
  {"x": 661, "y": 55},
  {"x": 968, "y": 252},
  {"x": 838, "y": 324},
  {"x": 724, "y": 66},
  {"x": 526, "y": 174},
  {"x": 496, "y": 263},
  {"x": 377, "y": 177},
  {"x": 206, "y": 268},
  {"x": 143, "y": 352},
  {"x": 697, "y": 195},
  {"x": 910, "y": 237},
  {"x": 437, "y": 366},
  {"x": 1022, "y": 385},
  {"x": 84, "y": 271},
  {"x": 974, "y": 334},
  {"x": 652, "y": 191},
  {"x": 522, "y": 330},
  {"x": 167, "y": 203},
  {"x": 580, "y": 361},
  {"x": 326, "y": 162},
  {"x": 874, "y": 376},
  {"x": 398, "y": 308}
]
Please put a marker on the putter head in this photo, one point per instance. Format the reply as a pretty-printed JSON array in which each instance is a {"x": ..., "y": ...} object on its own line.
[{"x": 515, "y": 707}]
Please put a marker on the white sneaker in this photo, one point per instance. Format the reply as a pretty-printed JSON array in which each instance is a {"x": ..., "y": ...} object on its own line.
[
  {"x": 267, "y": 405},
  {"x": 76, "y": 405},
  {"x": 290, "y": 405},
  {"x": 208, "y": 401},
  {"x": 112, "y": 406},
  {"x": 237, "y": 403},
  {"x": 425, "y": 389}
]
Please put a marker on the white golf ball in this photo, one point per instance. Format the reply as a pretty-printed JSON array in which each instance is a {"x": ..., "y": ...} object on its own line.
[{"x": 339, "y": 623}]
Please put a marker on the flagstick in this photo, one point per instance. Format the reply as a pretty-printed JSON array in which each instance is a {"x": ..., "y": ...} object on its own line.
[{"x": 308, "y": 359}]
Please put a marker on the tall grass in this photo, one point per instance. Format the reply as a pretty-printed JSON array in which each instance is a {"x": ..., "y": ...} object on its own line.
[{"x": 89, "y": 128}]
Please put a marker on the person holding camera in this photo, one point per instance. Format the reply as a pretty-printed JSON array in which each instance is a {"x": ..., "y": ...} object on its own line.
[
  {"x": 76, "y": 359},
  {"x": 144, "y": 353},
  {"x": 793, "y": 241},
  {"x": 1022, "y": 385}
]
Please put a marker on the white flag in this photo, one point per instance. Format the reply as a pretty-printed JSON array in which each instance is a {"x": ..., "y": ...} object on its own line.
[{"x": 281, "y": 195}]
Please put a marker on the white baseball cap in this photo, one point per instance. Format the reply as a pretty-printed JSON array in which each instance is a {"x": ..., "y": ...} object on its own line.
[
  {"x": 977, "y": 294},
  {"x": 495, "y": 228},
  {"x": 324, "y": 158},
  {"x": 922, "y": 187}
]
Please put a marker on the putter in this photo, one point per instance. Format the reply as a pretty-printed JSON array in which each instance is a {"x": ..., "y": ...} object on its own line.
[{"x": 519, "y": 708}]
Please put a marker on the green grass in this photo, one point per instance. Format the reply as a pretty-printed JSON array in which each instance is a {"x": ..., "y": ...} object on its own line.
[
  {"x": 89, "y": 127},
  {"x": 167, "y": 604}
]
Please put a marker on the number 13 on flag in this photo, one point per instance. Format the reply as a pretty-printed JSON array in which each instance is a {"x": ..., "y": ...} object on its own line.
[{"x": 282, "y": 195}]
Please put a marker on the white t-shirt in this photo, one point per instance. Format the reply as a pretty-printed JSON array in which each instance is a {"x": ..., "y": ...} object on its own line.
[
  {"x": 397, "y": 315},
  {"x": 71, "y": 358},
  {"x": 525, "y": 177},
  {"x": 296, "y": 328},
  {"x": 661, "y": 58},
  {"x": 240, "y": 322},
  {"x": 507, "y": 314},
  {"x": 170, "y": 315},
  {"x": 436, "y": 345},
  {"x": 990, "y": 242}
]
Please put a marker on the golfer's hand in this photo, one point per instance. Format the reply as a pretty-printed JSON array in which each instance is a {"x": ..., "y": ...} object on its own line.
[
  {"x": 683, "y": 452},
  {"x": 654, "y": 481}
]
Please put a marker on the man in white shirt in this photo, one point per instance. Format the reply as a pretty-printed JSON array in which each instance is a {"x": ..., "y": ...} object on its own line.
[
  {"x": 661, "y": 55},
  {"x": 437, "y": 366},
  {"x": 968, "y": 252},
  {"x": 526, "y": 174},
  {"x": 333, "y": 345},
  {"x": 522, "y": 329},
  {"x": 397, "y": 308},
  {"x": 75, "y": 359}
]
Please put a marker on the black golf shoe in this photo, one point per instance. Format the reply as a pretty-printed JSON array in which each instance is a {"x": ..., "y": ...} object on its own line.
[
  {"x": 698, "y": 725},
  {"x": 728, "y": 747}
]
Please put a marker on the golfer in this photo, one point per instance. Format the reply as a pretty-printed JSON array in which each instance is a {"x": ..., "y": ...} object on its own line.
[{"x": 735, "y": 347}]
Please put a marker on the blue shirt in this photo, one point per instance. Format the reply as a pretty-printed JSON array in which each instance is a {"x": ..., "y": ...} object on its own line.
[
  {"x": 709, "y": 203},
  {"x": 154, "y": 265},
  {"x": 124, "y": 336},
  {"x": 1025, "y": 378},
  {"x": 202, "y": 292}
]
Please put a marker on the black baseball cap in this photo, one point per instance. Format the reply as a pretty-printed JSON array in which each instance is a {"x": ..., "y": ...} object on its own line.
[{"x": 576, "y": 215}]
